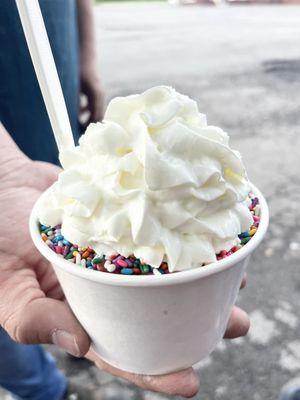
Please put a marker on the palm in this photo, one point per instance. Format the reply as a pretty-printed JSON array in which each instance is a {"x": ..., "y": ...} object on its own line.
[{"x": 25, "y": 264}]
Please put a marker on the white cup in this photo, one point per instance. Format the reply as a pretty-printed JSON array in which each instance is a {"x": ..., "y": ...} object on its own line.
[{"x": 154, "y": 324}]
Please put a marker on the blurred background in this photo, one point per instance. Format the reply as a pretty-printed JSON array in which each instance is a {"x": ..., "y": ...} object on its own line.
[{"x": 241, "y": 61}]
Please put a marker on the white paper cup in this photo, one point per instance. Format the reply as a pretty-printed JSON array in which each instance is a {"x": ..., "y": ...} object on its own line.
[{"x": 154, "y": 324}]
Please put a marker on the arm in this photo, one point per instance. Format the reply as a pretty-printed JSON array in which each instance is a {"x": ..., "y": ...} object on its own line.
[
  {"x": 86, "y": 26},
  {"x": 89, "y": 73}
]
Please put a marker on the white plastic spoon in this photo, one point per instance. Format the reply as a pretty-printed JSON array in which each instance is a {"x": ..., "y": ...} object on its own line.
[{"x": 44, "y": 65}]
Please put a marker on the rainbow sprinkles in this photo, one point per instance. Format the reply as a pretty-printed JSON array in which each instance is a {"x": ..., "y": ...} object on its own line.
[{"x": 86, "y": 257}]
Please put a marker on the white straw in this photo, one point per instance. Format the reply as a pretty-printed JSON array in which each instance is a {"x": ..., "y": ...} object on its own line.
[{"x": 44, "y": 65}]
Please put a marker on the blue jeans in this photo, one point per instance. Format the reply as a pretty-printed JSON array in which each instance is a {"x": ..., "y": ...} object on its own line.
[{"x": 28, "y": 371}]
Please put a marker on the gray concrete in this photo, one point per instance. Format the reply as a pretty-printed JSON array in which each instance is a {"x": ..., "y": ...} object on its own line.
[{"x": 242, "y": 64}]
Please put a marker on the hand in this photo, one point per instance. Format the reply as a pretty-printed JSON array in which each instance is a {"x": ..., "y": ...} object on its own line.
[
  {"x": 92, "y": 89},
  {"x": 32, "y": 306}
]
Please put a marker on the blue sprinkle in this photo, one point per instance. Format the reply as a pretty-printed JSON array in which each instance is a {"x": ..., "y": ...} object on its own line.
[
  {"x": 244, "y": 235},
  {"x": 126, "y": 271},
  {"x": 161, "y": 271},
  {"x": 66, "y": 242},
  {"x": 89, "y": 266},
  {"x": 44, "y": 227},
  {"x": 89, "y": 263},
  {"x": 59, "y": 237}
]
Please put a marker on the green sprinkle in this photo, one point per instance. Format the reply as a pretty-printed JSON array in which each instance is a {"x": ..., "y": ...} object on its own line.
[
  {"x": 98, "y": 259},
  {"x": 245, "y": 240},
  {"x": 69, "y": 256},
  {"x": 145, "y": 268}
]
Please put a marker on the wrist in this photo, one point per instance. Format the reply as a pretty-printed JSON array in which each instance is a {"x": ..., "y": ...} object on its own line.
[
  {"x": 88, "y": 59},
  {"x": 89, "y": 72}
]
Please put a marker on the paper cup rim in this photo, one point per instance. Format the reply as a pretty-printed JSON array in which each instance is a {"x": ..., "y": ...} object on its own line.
[{"x": 151, "y": 280}]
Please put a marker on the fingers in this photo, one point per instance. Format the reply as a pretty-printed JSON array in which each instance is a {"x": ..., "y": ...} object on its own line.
[
  {"x": 239, "y": 322},
  {"x": 95, "y": 114},
  {"x": 244, "y": 282},
  {"x": 183, "y": 383},
  {"x": 50, "y": 171},
  {"x": 95, "y": 104},
  {"x": 84, "y": 108},
  {"x": 238, "y": 325},
  {"x": 46, "y": 320},
  {"x": 97, "y": 107}
]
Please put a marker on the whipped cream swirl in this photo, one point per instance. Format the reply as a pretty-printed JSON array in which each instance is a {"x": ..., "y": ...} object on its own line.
[{"x": 153, "y": 180}]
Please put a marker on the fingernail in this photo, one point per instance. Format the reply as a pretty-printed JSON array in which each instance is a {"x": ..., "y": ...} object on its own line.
[{"x": 66, "y": 341}]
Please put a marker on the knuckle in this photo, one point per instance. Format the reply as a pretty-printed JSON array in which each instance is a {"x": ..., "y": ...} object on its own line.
[
  {"x": 18, "y": 328},
  {"x": 21, "y": 333},
  {"x": 11, "y": 326}
]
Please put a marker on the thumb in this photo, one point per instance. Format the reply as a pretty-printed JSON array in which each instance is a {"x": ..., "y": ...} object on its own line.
[
  {"x": 47, "y": 320},
  {"x": 46, "y": 173}
]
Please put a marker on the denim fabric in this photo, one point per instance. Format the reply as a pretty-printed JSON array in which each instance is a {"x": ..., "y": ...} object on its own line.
[
  {"x": 29, "y": 372},
  {"x": 22, "y": 109}
]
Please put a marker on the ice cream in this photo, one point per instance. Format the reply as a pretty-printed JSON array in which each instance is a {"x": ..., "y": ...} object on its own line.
[{"x": 153, "y": 180}]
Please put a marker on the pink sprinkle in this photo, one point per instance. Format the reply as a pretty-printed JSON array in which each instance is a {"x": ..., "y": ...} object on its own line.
[
  {"x": 255, "y": 218},
  {"x": 115, "y": 259},
  {"x": 223, "y": 253},
  {"x": 122, "y": 263},
  {"x": 59, "y": 249}
]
